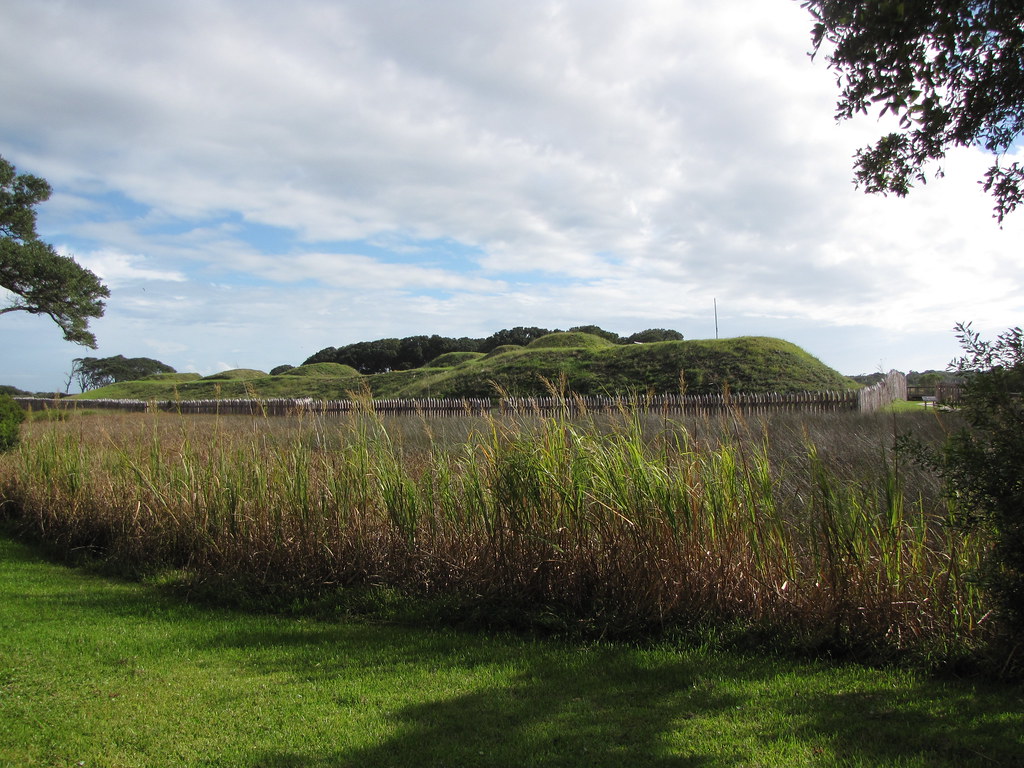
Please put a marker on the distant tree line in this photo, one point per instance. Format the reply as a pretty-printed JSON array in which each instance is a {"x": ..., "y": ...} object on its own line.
[
  {"x": 394, "y": 354},
  {"x": 95, "y": 372},
  {"x": 929, "y": 378}
]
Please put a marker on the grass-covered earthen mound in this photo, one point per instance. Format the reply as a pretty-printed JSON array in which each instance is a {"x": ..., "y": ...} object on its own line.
[
  {"x": 173, "y": 377},
  {"x": 746, "y": 364},
  {"x": 570, "y": 340},
  {"x": 452, "y": 359},
  {"x": 323, "y": 370},
  {"x": 236, "y": 374},
  {"x": 588, "y": 365},
  {"x": 503, "y": 349}
]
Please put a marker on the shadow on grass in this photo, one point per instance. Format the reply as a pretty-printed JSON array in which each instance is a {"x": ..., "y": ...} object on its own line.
[
  {"x": 444, "y": 698},
  {"x": 549, "y": 705},
  {"x": 933, "y": 723},
  {"x": 617, "y": 706}
]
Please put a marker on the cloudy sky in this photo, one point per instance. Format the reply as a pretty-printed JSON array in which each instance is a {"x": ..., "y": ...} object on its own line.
[{"x": 257, "y": 180}]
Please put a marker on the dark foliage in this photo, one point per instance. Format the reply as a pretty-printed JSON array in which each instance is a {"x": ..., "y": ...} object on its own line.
[
  {"x": 520, "y": 336},
  {"x": 596, "y": 330},
  {"x": 40, "y": 280},
  {"x": 383, "y": 355},
  {"x": 951, "y": 72},
  {"x": 11, "y": 416},
  {"x": 982, "y": 465},
  {"x": 417, "y": 351},
  {"x": 93, "y": 372},
  {"x": 366, "y": 356},
  {"x": 652, "y": 335},
  {"x": 932, "y": 378}
]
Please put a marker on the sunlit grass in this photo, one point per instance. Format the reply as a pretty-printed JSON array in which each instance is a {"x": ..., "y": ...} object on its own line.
[{"x": 96, "y": 672}]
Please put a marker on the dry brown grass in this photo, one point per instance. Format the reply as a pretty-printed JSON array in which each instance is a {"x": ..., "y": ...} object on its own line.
[{"x": 799, "y": 529}]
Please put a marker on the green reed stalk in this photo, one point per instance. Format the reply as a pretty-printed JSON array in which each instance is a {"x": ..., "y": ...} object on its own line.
[{"x": 600, "y": 520}]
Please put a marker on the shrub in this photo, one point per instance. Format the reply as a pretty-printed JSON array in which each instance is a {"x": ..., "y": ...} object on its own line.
[
  {"x": 652, "y": 335},
  {"x": 982, "y": 465},
  {"x": 11, "y": 416}
]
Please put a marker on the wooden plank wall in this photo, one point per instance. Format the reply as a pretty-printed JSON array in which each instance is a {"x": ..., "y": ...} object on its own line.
[
  {"x": 816, "y": 402},
  {"x": 892, "y": 387}
]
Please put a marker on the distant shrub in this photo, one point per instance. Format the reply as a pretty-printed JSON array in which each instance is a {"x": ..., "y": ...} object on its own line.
[
  {"x": 653, "y": 335},
  {"x": 11, "y": 416},
  {"x": 596, "y": 330},
  {"x": 277, "y": 370}
]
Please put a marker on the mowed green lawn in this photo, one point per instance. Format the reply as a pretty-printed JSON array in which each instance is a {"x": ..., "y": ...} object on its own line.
[{"x": 95, "y": 672}]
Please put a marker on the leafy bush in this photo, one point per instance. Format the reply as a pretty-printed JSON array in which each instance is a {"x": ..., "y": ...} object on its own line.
[
  {"x": 93, "y": 373},
  {"x": 11, "y": 416},
  {"x": 596, "y": 330},
  {"x": 652, "y": 335},
  {"x": 982, "y": 465}
]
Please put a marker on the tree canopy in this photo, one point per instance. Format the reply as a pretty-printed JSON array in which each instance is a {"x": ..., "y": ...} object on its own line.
[
  {"x": 653, "y": 335},
  {"x": 93, "y": 373},
  {"x": 951, "y": 72},
  {"x": 40, "y": 280}
]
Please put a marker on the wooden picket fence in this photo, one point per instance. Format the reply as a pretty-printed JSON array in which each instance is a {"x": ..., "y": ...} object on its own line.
[{"x": 893, "y": 387}]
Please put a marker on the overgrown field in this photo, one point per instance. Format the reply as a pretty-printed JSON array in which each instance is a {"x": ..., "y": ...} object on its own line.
[{"x": 805, "y": 532}]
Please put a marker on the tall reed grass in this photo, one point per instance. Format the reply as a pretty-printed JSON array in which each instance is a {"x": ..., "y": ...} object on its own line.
[{"x": 802, "y": 530}]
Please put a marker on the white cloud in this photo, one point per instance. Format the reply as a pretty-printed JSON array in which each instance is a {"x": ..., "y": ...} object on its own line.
[
  {"x": 589, "y": 161},
  {"x": 116, "y": 269}
]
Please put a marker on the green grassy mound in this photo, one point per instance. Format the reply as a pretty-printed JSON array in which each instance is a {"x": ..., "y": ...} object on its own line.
[
  {"x": 503, "y": 349},
  {"x": 236, "y": 374},
  {"x": 173, "y": 377},
  {"x": 746, "y": 364},
  {"x": 142, "y": 390},
  {"x": 451, "y": 359},
  {"x": 323, "y": 370},
  {"x": 570, "y": 340}
]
